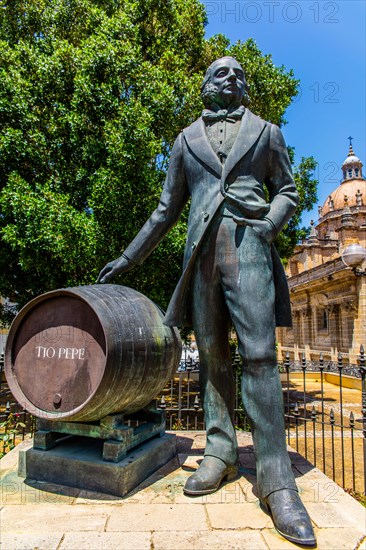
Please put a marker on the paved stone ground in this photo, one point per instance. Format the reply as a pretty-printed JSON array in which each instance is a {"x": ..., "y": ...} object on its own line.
[{"x": 157, "y": 516}]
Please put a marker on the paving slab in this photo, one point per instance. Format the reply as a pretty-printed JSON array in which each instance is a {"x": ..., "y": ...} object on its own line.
[
  {"x": 333, "y": 515},
  {"x": 30, "y": 541},
  {"x": 339, "y": 539},
  {"x": 274, "y": 540},
  {"x": 208, "y": 540},
  {"x": 106, "y": 541},
  {"x": 39, "y": 518},
  {"x": 13, "y": 490},
  {"x": 157, "y": 515},
  {"x": 232, "y": 516}
]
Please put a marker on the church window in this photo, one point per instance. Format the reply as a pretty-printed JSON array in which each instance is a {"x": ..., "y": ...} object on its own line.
[
  {"x": 294, "y": 268},
  {"x": 350, "y": 173},
  {"x": 356, "y": 172},
  {"x": 323, "y": 319}
]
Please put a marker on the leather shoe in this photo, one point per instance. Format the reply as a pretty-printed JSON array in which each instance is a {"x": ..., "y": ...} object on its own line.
[
  {"x": 209, "y": 476},
  {"x": 290, "y": 517}
]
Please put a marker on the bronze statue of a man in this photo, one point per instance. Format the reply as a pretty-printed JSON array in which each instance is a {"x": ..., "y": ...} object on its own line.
[{"x": 232, "y": 275}]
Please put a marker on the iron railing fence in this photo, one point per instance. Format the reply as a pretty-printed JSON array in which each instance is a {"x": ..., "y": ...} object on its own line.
[
  {"x": 322, "y": 425},
  {"x": 326, "y": 428},
  {"x": 181, "y": 399},
  {"x": 314, "y": 366}
]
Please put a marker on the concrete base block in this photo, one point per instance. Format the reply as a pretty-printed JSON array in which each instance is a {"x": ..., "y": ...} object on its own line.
[{"x": 77, "y": 462}]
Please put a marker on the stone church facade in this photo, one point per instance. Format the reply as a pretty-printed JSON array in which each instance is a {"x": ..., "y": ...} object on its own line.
[{"x": 328, "y": 298}]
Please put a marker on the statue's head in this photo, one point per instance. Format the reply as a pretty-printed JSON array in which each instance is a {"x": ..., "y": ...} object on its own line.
[{"x": 224, "y": 84}]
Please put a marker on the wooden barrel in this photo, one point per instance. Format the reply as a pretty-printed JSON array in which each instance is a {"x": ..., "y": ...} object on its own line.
[{"x": 83, "y": 353}]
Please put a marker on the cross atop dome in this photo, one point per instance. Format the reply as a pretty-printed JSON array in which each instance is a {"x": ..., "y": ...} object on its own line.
[{"x": 351, "y": 152}]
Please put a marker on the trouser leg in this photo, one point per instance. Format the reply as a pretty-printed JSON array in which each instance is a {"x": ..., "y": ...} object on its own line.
[
  {"x": 211, "y": 323},
  {"x": 262, "y": 395},
  {"x": 249, "y": 295}
]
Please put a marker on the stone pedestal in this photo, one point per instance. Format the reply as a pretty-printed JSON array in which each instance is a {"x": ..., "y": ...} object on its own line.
[{"x": 78, "y": 462}]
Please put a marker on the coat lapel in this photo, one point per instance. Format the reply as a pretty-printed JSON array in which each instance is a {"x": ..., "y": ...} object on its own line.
[
  {"x": 197, "y": 142},
  {"x": 250, "y": 129},
  {"x": 195, "y": 135}
]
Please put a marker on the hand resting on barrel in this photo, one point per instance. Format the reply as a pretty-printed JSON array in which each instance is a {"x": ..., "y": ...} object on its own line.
[{"x": 118, "y": 266}]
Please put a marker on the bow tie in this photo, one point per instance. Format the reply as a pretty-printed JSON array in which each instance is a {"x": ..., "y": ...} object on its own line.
[{"x": 223, "y": 114}]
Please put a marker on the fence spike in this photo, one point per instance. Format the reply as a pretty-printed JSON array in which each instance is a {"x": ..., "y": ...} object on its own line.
[
  {"x": 162, "y": 404},
  {"x": 351, "y": 420},
  {"x": 362, "y": 359}
]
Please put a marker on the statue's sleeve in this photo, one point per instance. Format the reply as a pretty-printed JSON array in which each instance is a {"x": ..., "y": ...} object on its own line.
[
  {"x": 283, "y": 194},
  {"x": 172, "y": 201}
]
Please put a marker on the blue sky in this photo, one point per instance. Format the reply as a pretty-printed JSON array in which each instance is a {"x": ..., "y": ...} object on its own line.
[{"x": 324, "y": 43}]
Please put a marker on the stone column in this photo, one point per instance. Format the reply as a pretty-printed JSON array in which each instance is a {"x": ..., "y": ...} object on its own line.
[
  {"x": 280, "y": 339},
  {"x": 359, "y": 327},
  {"x": 306, "y": 331},
  {"x": 348, "y": 312},
  {"x": 296, "y": 319},
  {"x": 333, "y": 311}
]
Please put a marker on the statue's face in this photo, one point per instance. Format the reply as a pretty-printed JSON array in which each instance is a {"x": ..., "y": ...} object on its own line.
[{"x": 228, "y": 77}]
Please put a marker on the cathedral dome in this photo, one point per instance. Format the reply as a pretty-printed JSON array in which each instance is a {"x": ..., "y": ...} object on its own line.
[{"x": 349, "y": 193}]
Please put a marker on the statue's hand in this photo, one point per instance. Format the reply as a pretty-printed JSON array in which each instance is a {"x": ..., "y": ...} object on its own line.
[
  {"x": 120, "y": 265},
  {"x": 263, "y": 227}
]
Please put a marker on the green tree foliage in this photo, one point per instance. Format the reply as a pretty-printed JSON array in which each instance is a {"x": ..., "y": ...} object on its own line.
[
  {"x": 307, "y": 186},
  {"x": 92, "y": 96}
]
